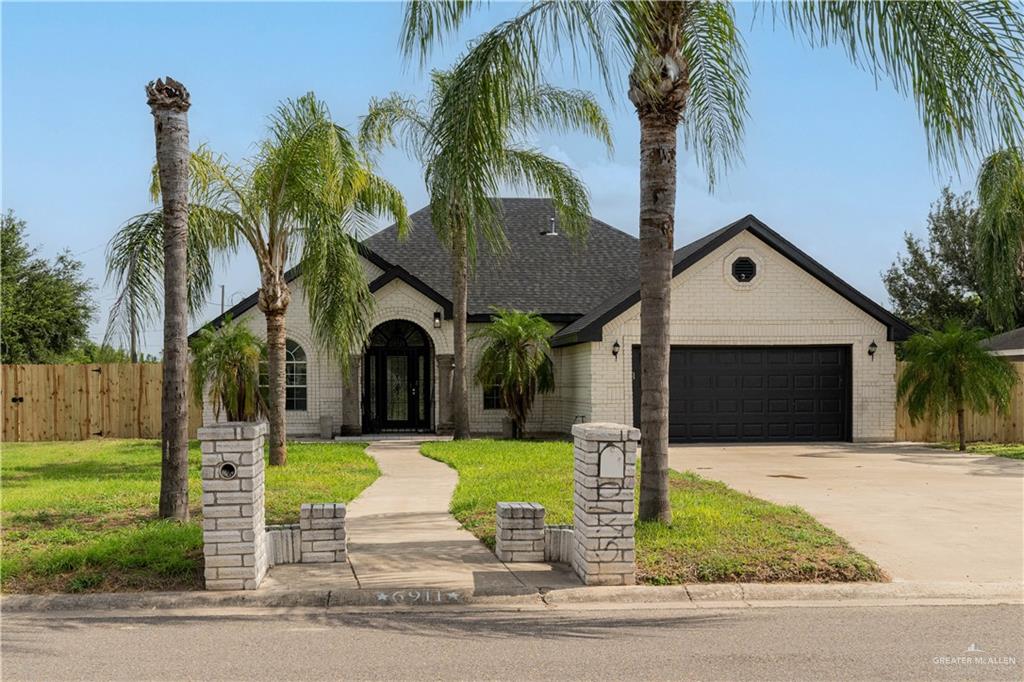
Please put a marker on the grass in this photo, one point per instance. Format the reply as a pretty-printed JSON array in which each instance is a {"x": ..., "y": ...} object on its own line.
[
  {"x": 1011, "y": 450},
  {"x": 82, "y": 516},
  {"x": 717, "y": 534}
]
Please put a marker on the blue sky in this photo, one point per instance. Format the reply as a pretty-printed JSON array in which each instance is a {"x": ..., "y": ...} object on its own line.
[{"x": 834, "y": 162}]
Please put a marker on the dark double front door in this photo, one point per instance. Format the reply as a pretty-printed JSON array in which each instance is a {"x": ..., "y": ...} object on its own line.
[{"x": 396, "y": 379}]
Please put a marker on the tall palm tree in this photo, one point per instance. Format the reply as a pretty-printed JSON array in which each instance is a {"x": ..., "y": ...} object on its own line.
[
  {"x": 948, "y": 371},
  {"x": 169, "y": 102},
  {"x": 960, "y": 62},
  {"x": 308, "y": 193},
  {"x": 517, "y": 360},
  {"x": 469, "y": 149},
  {"x": 999, "y": 243}
]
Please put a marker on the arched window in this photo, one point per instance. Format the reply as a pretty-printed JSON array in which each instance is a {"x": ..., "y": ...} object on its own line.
[{"x": 294, "y": 376}]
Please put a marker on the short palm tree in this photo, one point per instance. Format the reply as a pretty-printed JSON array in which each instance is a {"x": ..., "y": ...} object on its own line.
[
  {"x": 1000, "y": 237},
  {"x": 959, "y": 61},
  {"x": 307, "y": 194},
  {"x": 948, "y": 371},
  {"x": 470, "y": 148},
  {"x": 226, "y": 371},
  {"x": 516, "y": 360}
]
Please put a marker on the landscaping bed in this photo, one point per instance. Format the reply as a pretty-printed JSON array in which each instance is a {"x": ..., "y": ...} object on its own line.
[
  {"x": 1010, "y": 450},
  {"x": 82, "y": 516},
  {"x": 717, "y": 534}
]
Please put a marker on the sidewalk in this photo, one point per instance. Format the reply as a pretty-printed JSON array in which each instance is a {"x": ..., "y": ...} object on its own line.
[{"x": 401, "y": 536}]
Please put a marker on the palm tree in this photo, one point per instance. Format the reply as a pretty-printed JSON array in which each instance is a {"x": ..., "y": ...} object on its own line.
[
  {"x": 960, "y": 62},
  {"x": 226, "y": 369},
  {"x": 948, "y": 371},
  {"x": 999, "y": 242},
  {"x": 309, "y": 191},
  {"x": 468, "y": 148},
  {"x": 169, "y": 103},
  {"x": 516, "y": 359}
]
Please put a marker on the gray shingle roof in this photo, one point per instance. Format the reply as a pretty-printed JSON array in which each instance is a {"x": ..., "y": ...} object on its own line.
[
  {"x": 1011, "y": 340},
  {"x": 548, "y": 274}
]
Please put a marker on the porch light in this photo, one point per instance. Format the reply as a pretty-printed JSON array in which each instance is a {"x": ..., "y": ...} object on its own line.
[
  {"x": 615, "y": 350},
  {"x": 437, "y": 319},
  {"x": 872, "y": 349}
]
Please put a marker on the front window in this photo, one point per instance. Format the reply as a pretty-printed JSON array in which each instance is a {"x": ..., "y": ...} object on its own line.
[
  {"x": 294, "y": 376},
  {"x": 295, "y": 386},
  {"x": 492, "y": 398}
]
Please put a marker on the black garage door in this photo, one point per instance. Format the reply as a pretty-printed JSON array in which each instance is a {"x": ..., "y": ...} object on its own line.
[{"x": 773, "y": 393}]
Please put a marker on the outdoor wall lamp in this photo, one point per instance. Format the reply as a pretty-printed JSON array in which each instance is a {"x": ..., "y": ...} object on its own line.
[
  {"x": 872, "y": 349},
  {"x": 437, "y": 319},
  {"x": 615, "y": 350}
]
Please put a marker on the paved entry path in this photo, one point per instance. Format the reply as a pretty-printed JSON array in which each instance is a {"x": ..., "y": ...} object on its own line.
[{"x": 401, "y": 535}]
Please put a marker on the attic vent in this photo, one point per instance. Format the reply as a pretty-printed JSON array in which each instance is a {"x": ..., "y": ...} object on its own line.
[
  {"x": 744, "y": 269},
  {"x": 551, "y": 229}
]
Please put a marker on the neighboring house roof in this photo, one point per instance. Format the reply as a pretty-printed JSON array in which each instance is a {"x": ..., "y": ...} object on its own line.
[
  {"x": 589, "y": 327},
  {"x": 1007, "y": 343},
  {"x": 549, "y": 274}
]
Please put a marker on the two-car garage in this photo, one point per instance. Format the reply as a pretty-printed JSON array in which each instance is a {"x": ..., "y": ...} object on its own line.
[{"x": 756, "y": 393}]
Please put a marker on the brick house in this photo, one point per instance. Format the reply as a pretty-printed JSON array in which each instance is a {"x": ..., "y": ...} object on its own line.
[{"x": 767, "y": 343}]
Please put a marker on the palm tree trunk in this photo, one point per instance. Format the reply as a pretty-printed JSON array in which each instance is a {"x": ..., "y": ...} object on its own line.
[
  {"x": 657, "y": 229},
  {"x": 133, "y": 334},
  {"x": 276, "y": 383},
  {"x": 460, "y": 294},
  {"x": 960, "y": 428},
  {"x": 169, "y": 104}
]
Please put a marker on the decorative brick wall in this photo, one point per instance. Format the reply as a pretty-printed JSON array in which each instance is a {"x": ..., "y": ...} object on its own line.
[
  {"x": 322, "y": 533},
  {"x": 520, "y": 532},
  {"x": 558, "y": 544},
  {"x": 234, "y": 536},
  {"x": 603, "y": 503}
]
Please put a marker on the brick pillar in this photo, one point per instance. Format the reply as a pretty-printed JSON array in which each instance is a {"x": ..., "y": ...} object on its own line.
[
  {"x": 351, "y": 395},
  {"x": 444, "y": 364},
  {"x": 322, "y": 533},
  {"x": 234, "y": 535},
  {"x": 520, "y": 532},
  {"x": 605, "y": 478}
]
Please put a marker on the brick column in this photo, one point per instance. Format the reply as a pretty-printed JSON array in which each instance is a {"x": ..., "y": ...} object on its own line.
[
  {"x": 603, "y": 504},
  {"x": 520, "y": 532},
  {"x": 322, "y": 533},
  {"x": 351, "y": 394},
  {"x": 234, "y": 535},
  {"x": 443, "y": 364}
]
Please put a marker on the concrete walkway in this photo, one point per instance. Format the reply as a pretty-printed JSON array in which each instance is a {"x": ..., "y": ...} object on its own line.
[{"x": 402, "y": 536}]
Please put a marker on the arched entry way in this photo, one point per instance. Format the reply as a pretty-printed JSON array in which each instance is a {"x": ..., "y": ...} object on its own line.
[{"x": 397, "y": 380}]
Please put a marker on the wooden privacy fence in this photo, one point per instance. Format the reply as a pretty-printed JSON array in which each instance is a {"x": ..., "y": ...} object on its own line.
[
  {"x": 77, "y": 402},
  {"x": 1001, "y": 428}
]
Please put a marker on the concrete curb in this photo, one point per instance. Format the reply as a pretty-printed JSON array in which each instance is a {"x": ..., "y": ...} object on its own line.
[{"x": 708, "y": 595}]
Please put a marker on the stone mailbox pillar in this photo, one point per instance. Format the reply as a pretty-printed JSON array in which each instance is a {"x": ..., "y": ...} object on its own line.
[
  {"x": 234, "y": 535},
  {"x": 603, "y": 503}
]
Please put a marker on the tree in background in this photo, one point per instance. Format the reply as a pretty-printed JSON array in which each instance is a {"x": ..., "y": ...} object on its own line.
[
  {"x": 469, "y": 148},
  {"x": 169, "y": 103},
  {"x": 949, "y": 371},
  {"x": 999, "y": 244},
  {"x": 937, "y": 281},
  {"x": 226, "y": 370},
  {"x": 309, "y": 191},
  {"x": 959, "y": 62},
  {"x": 517, "y": 360},
  {"x": 45, "y": 307}
]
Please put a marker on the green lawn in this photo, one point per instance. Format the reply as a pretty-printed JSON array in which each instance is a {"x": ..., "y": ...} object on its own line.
[
  {"x": 1011, "y": 450},
  {"x": 81, "y": 516},
  {"x": 717, "y": 534}
]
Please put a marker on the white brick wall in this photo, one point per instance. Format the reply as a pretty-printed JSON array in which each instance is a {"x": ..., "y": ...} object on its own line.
[{"x": 784, "y": 305}]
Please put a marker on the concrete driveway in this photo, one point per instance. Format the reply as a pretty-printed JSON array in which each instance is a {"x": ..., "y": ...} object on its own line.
[{"x": 922, "y": 514}]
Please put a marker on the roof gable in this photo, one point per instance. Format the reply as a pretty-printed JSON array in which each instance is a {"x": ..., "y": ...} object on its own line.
[{"x": 590, "y": 326}]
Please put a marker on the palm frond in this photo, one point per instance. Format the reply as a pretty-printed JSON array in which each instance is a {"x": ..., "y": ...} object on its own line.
[
  {"x": 999, "y": 241},
  {"x": 961, "y": 62}
]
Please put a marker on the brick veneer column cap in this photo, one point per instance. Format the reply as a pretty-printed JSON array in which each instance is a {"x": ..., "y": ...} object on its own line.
[{"x": 605, "y": 431}]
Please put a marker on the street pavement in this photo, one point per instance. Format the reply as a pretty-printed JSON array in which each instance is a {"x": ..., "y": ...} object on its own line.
[{"x": 649, "y": 642}]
